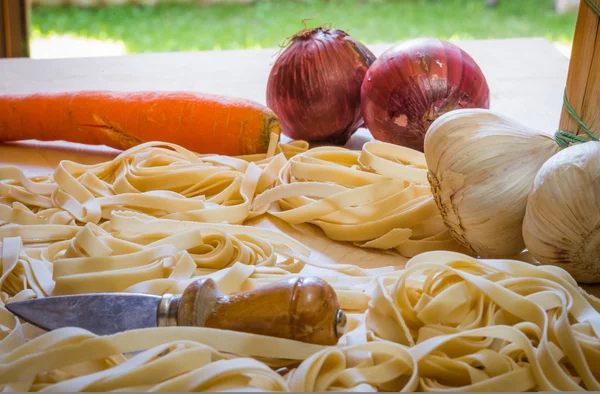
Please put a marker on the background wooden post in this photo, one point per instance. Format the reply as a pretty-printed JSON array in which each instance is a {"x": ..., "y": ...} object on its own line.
[
  {"x": 14, "y": 28},
  {"x": 583, "y": 79}
]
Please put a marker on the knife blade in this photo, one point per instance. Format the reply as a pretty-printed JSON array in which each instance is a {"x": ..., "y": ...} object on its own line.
[
  {"x": 102, "y": 314},
  {"x": 300, "y": 308}
]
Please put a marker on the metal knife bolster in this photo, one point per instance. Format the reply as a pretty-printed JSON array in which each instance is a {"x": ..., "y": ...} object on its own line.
[{"x": 166, "y": 314}]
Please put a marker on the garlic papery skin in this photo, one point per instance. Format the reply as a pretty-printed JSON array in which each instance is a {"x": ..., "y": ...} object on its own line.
[
  {"x": 481, "y": 169},
  {"x": 562, "y": 221}
]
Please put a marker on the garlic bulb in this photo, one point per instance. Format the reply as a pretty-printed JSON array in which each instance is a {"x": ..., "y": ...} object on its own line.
[
  {"x": 562, "y": 222},
  {"x": 481, "y": 169}
]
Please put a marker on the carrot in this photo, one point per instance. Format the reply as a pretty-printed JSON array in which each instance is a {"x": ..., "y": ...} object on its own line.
[{"x": 200, "y": 122}]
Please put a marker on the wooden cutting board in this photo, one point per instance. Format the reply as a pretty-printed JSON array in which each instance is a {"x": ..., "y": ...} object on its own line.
[{"x": 526, "y": 78}]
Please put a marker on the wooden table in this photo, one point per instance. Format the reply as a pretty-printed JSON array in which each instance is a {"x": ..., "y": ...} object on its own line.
[{"x": 526, "y": 78}]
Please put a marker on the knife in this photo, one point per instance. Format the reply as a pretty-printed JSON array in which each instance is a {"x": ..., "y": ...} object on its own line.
[{"x": 304, "y": 309}]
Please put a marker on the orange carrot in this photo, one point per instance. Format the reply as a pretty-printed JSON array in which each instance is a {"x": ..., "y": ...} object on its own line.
[{"x": 200, "y": 122}]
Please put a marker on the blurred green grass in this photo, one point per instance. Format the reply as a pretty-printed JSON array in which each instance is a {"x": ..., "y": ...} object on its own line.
[{"x": 179, "y": 27}]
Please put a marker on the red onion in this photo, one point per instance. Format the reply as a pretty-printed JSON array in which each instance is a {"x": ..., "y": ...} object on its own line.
[
  {"x": 413, "y": 83},
  {"x": 314, "y": 86}
]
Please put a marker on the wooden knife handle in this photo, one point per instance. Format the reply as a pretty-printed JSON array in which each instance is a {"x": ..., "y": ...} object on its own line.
[{"x": 301, "y": 308}]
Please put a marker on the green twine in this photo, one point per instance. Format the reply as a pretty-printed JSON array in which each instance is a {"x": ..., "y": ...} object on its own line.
[
  {"x": 593, "y": 6},
  {"x": 572, "y": 112},
  {"x": 564, "y": 138}
]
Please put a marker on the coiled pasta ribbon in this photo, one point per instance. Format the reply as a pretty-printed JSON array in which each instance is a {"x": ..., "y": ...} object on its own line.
[{"x": 377, "y": 198}]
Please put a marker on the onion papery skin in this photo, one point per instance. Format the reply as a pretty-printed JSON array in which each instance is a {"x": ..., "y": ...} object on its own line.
[
  {"x": 314, "y": 85},
  {"x": 413, "y": 83}
]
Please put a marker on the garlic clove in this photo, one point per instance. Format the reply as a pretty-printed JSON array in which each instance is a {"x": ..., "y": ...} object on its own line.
[
  {"x": 562, "y": 220},
  {"x": 481, "y": 168}
]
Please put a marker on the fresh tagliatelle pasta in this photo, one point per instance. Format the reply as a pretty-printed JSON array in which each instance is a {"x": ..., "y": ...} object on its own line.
[
  {"x": 376, "y": 198},
  {"x": 158, "y": 217},
  {"x": 159, "y": 179},
  {"x": 446, "y": 322}
]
